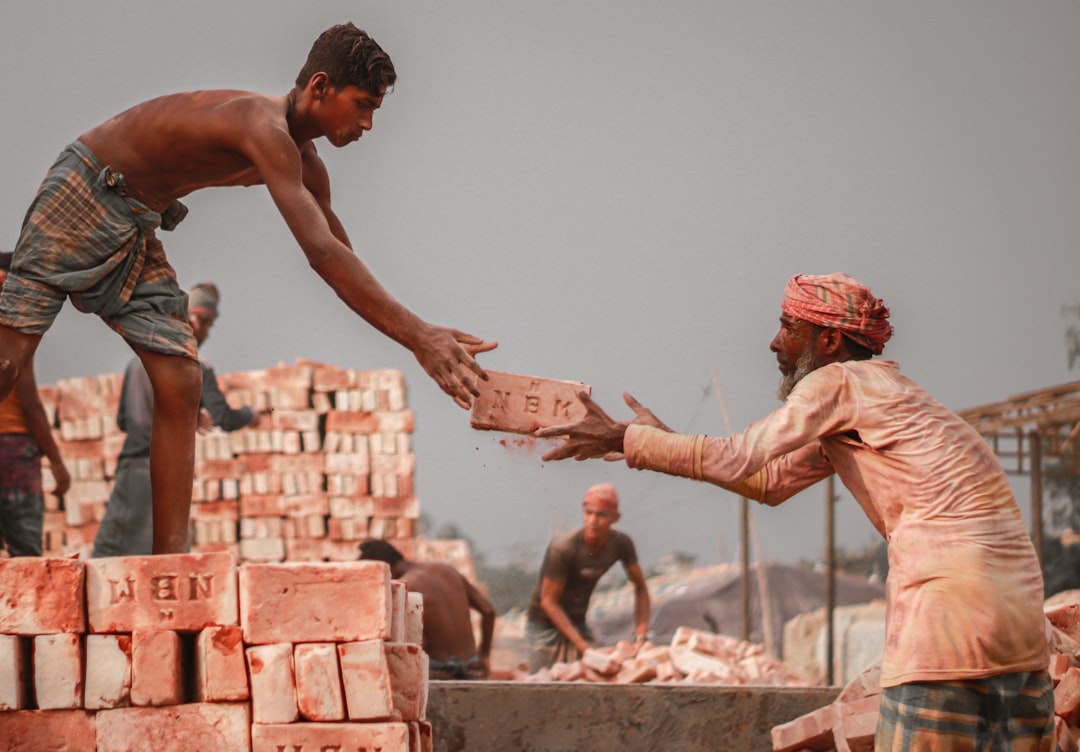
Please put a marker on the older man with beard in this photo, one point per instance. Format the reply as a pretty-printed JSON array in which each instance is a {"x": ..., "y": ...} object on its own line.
[{"x": 965, "y": 655}]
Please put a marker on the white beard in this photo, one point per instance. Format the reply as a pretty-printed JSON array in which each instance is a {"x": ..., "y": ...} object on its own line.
[{"x": 806, "y": 363}]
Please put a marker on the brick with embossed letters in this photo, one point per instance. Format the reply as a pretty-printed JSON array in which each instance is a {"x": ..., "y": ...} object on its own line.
[
  {"x": 108, "y": 671},
  {"x": 332, "y": 737},
  {"x": 58, "y": 671},
  {"x": 514, "y": 403},
  {"x": 318, "y": 682},
  {"x": 156, "y": 667},
  {"x": 42, "y": 595},
  {"x": 202, "y": 727},
  {"x": 182, "y": 592},
  {"x": 59, "y": 730},
  {"x": 220, "y": 669},
  {"x": 273, "y": 683},
  {"x": 304, "y": 602},
  {"x": 365, "y": 676}
]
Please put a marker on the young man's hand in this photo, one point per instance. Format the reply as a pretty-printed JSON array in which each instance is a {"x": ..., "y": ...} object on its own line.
[{"x": 448, "y": 357}]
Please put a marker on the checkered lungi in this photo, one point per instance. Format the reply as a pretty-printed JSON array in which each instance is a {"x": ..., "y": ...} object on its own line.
[
  {"x": 85, "y": 239},
  {"x": 1006, "y": 713}
]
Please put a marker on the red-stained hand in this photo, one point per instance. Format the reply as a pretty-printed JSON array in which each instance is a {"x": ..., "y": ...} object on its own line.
[{"x": 597, "y": 434}]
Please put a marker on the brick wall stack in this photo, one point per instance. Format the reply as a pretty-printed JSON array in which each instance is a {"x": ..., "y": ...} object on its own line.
[
  {"x": 182, "y": 652},
  {"x": 331, "y": 465}
]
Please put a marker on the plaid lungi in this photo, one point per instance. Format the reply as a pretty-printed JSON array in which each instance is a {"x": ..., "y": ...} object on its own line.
[
  {"x": 83, "y": 238},
  {"x": 1006, "y": 713}
]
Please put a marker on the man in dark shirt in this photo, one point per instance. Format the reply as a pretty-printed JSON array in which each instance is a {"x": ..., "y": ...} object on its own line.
[
  {"x": 127, "y": 528},
  {"x": 573, "y": 563}
]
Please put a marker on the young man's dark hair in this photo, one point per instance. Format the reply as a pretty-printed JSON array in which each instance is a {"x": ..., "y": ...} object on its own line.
[
  {"x": 380, "y": 550},
  {"x": 349, "y": 56}
]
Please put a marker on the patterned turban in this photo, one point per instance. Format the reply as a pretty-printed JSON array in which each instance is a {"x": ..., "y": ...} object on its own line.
[
  {"x": 203, "y": 300},
  {"x": 603, "y": 494},
  {"x": 836, "y": 301}
]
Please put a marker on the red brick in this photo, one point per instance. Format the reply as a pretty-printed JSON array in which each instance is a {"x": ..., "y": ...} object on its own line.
[
  {"x": 220, "y": 669},
  {"x": 1067, "y": 696},
  {"x": 178, "y": 728},
  {"x": 58, "y": 667},
  {"x": 156, "y": 668},
  {"x": 54, "y": 730},
  {"x": 855, "y": 724},
  {"x": 414, "y": 618},
  {"x": 184, "y": 592},
  {"x": 273, "y": 683},
  {"x": 408, "y": 679},
  {"x": 812, "y": 731},
  {"x": 108, "y": 671},
  {"x": 365, "y": 676},
  {"x": 301, "y": 602},
  {"x": 14, "y": 672},
  {"x": 42, "y": 595},
  {"x": 319, "y": 693},
  {"x": 521, "y": 404},
  {"x": 384, "y": 737}
]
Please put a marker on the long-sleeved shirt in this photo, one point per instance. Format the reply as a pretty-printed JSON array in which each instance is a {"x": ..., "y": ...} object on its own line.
[
  {"x": 965, "y": 591},
  {"x": 136, "y": 409}
]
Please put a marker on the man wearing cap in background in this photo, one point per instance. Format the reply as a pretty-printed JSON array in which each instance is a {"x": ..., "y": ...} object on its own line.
[
  {"x": 127, "y": 528},
  {"x": 573, "y": 563},
  {"x": 965, "y": 661},
  {"x": 25, "y": 435}
]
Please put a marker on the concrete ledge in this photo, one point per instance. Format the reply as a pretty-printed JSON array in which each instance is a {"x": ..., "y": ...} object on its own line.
[{"x": 486, "y": 716}]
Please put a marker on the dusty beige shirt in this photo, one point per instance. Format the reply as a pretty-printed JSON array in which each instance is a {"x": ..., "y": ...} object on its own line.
[{"x": 965, "y": 591}]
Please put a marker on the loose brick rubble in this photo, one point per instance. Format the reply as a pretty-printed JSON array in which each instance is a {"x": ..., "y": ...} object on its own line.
[
  {"x": 848, "y": 723},
  {"x": 693, "y": 657},
  {"x": 193, "y": 651},
  {"x": 331, "y": 466}
]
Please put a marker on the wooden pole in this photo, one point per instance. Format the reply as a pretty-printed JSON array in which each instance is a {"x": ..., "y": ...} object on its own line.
[
  {"x": 830, "y": 578},
  {"x": 744, "y": 535},
  {"x": 1035, "y": 452}
]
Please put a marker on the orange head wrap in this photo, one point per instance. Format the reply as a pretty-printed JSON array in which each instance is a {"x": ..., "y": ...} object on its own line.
[
  {"x": 837, "y": 301},
  {"x": 604, "y": 496}
]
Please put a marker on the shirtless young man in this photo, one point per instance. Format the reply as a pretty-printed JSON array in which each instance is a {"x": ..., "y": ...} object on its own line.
[
  {"x": 448, "y": 597},
  {"x": 90, "y": 235}
]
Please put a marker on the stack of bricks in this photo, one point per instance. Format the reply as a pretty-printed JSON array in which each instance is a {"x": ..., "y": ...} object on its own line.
[
  {"x": 848, "y": 723},
  {"x": 184, "y": 652},
  {"x": 330, "y": 465}
]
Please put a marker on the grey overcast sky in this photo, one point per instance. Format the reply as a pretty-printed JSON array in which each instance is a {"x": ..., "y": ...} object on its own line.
[{"x": 616, "y": 191}]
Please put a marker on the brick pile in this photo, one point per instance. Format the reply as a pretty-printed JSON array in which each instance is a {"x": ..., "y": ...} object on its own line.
[
  {"x": 848, "y": 723},
  {"x": 190, "y": 651},
  {"x": 330, "y": 466},
  {"x": 693, "y": 657}
]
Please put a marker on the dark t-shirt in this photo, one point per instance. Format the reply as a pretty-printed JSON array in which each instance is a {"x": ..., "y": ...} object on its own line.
[{"x": 569, "y": 561}]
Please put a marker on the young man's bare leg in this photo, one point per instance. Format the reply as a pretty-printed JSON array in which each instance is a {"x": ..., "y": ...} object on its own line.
[
  {"x": 177, "y": 383},
  {"x": 16, "y": 350}
]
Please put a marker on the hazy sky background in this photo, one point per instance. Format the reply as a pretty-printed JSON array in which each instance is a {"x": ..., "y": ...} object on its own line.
[{"x": 616, "y": 192}]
